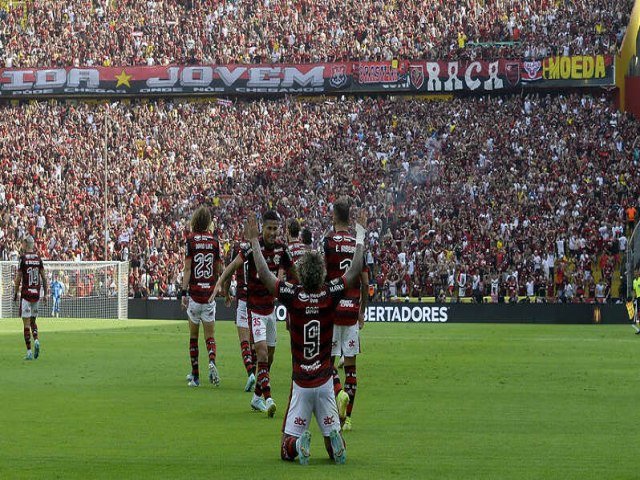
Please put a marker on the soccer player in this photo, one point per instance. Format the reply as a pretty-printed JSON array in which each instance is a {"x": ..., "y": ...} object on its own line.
[
  {"x": 295, "y": 244},
  {"x": 338, "y": 247},
  {"x": 311, "y": 305},
  {"x": 636, "y": 300},
  {"x": 248, "y": 354},
  {"x": 57, "y": 290},
  {"x": 29, "y": 279},
  {"x": 202, "y": 268},
  {"x": 261, "y": 304}
]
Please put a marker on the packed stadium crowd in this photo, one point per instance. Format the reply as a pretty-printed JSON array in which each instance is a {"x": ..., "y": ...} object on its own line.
[
  {"x": 534, "y": 191},
  {"x": 44, "y": 33}
]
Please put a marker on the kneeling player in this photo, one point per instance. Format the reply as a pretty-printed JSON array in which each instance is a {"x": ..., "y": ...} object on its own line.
[{"x": 311, "y": 306}]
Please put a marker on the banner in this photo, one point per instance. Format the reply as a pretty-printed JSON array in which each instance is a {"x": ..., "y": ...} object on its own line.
[{"x": 415, "y": 77}]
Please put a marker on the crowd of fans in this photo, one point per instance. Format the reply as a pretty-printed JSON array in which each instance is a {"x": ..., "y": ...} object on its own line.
[
  {"x": 45, "y": 33},
  {"x": 531, "y": 192}
]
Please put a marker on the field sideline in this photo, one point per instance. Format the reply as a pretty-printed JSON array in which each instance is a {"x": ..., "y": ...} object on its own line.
[{"x": 108, "y": 399}]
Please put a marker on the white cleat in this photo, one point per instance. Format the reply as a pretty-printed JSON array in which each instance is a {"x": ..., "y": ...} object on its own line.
[
  {"x": 257, "y": 403},
  {"x": 271, "y": 407},
  {"x": 194, "y": 382},
  {"x": 213, "y": 374},
  {"x": 36, "y": 348},
  {"x": 29, "y": 355},
  {"x": 251, "y": 381}
]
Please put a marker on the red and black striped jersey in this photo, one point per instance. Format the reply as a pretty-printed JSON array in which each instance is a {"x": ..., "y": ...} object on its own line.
[
  {"x": 30, "y": 266},
  {"x": 297, "y": 250},
  {"x": 311, "y": 329},
  {"x": 338, "y": 248},
  {"x": 259, "y": 300},
  {"x": 204, "y": 251},
  {"x": 241, "y": 284}
]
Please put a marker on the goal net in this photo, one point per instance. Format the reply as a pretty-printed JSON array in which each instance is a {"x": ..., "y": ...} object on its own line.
[
  {"x": 633, "y": 259},
  {"x": 86, "y": 290}
]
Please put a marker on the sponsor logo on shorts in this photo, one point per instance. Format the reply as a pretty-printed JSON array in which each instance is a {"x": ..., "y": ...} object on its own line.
[
  {"x": 329, "y": 420},
  {"x": 300, "y": 421}
]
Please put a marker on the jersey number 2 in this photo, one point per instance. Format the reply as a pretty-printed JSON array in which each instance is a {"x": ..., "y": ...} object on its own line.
[{"x": 311, "y": 339}]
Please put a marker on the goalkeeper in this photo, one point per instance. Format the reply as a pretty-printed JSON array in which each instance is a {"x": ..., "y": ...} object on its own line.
[{"x": 57, "y": 290}]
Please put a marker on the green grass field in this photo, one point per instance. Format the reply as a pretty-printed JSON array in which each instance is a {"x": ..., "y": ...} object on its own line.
[{"x": 108, "y": 399}]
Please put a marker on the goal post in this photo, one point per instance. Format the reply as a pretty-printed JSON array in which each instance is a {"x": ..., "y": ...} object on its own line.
[{"x": 89, "y": 290}]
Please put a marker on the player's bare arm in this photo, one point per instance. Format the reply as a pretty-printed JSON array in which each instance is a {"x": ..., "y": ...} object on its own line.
[
  {"x": 266, "y": 277},
  {"x": 226, "y": 276},
  {"x": 355, "y": 270},
  {"x": 16, "y": 285},
  {"x": 186, "y": 275}
]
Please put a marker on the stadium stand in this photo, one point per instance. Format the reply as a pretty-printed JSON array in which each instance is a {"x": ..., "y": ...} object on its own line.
[
  {"x": 524, "y": 189},
  {"x": 41, "y": 33}
]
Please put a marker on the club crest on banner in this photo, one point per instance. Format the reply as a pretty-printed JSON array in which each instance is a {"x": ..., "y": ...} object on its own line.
[
  {"x": 533, "y": 70},
  {"x": 338, "y": 76},
  {"x": 416, "y": 74},
  {"x": 512, "y": 73}
]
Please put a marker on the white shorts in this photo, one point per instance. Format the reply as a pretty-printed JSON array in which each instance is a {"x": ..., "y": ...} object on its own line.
[
  {"x": 241, "y": 314},
  {"x": 201, "y": 312},
  {"x": 346, "y": 340},
  {"x": 319, "y": 401},
  {"x": 29, "y": 309},
  {"x": 263, "y": 327}
]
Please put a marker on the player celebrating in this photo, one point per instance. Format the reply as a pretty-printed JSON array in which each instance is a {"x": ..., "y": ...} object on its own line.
[
  {"x": 296, "y": 247},
  {"x": 202, "y": 267},
  {"x": 241, "y": 319},
  {"x": 338, "y": 247},
  {"x": 29, "y": 279},
  {"x": 57, "y": 290},
  {"x": 260, "y": 304},
  {"x": 311, "y": 305}
]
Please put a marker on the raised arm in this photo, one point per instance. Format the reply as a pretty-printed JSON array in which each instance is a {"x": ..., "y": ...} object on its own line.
[
  {"x": 355, "y": 270},
  {"x": 268, "y": 279}
]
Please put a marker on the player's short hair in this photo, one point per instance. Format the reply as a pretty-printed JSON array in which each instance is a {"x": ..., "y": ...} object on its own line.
[
  {"x": 29, "y": 241},
  {"x": 201, "y": 219},
  {"x": 271, "y": 215},
  {"x": 311, "y": 271},
  {"x": 293, "y": 227},
  {"x": 341, "y": 209},
  {"x": 306, "y": 236}
]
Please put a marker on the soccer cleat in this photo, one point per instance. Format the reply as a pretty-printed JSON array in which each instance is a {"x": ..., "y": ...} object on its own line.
[
  {"x": 194, "y": 382},
  {"x": 251, "y": 381},
  {"x": 303, "y": 446},
  {"x": 347, "y": 424},
  {"x": 36, "y": 348},
  {"x": 29, "y": 355},
  {"x": 257, "y": 403},
  {"x": 638, "y": 332},
  {"x": 213, "y": 374},
  {"x": 337, "y": 445},
  {"x": 271, "y": 407},
  {"x": 342, "y": 400},
  {"x": 341, "y": 362}
]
